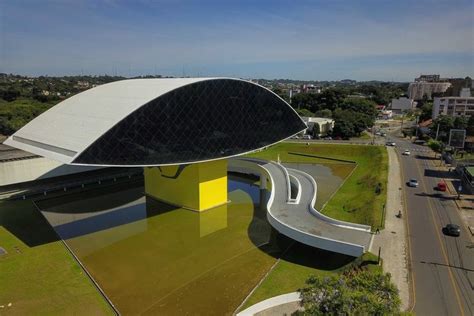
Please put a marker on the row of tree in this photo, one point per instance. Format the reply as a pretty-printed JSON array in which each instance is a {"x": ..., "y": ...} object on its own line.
[
  {"x": 356, "y": 293},
  {"x": 446, "y": 123},
  {"x": 351, "y": 115}
]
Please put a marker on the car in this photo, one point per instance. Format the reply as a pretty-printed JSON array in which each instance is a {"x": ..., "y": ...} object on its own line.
[
  {"x": 413, "y": 183},
  {"x": 328, "y": 138},
  {"x": 390, "y": 144},
  {"x": 307, "y": 137},
  {"x": 441, "y": 186},
  {"x": 452, "y": 230},
  {"x": 383, "y": 134},
  {"x": 406, "y": 152}
]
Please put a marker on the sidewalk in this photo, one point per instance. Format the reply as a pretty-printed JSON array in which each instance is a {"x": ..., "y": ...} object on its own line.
[{"x": 393, "y": 239}]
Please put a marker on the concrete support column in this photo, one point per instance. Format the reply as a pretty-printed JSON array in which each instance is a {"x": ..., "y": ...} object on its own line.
[
  {"x": 263, "y": 181},
  {"x": 199, "y": 186}
]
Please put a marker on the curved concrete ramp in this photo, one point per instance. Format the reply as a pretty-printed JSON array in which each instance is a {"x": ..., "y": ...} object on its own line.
[{"x": 296, "y": 217}]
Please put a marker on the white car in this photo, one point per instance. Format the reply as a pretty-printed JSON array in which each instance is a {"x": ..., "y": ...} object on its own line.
[
  {"x": 406, "y": 152},
  {"x": 413, "y": 183}
]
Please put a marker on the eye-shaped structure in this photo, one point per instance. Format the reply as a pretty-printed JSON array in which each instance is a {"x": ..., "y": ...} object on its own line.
[{"x": 150, "y": 122}]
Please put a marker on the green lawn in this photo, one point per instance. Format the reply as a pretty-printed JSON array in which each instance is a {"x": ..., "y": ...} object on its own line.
[
  {"x": 38, "y": 275},
  {"x": 356, "y": 201},
  {"x": 364, "y": 135},
  {"x": 465, "y": 156},
  {"x": 298, "y": 264}
]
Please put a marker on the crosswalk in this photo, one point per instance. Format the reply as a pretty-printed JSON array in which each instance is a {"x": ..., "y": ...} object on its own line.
[{"x": 423, "y": 150}]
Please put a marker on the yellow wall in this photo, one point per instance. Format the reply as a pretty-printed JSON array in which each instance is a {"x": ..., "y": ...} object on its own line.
[{"x": 199, "y": 186}]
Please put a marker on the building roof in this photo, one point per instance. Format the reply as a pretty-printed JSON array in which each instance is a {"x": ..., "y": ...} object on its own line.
[
  {"x": 88, "y": 127},
  {"x": 316, "y": 119}
]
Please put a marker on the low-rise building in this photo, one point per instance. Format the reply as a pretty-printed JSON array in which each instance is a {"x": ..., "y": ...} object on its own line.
[
  {"x": 386, "y": 114},
  {"x": 326, "y": 125},
  {"x": 402, "y": 104},
  {"x": 453, "y": 106}
]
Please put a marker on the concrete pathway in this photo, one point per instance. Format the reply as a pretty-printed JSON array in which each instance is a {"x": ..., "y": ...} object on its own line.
[
  {"x": 393, "y": 239},
  {"x": 285, "y": 304}
]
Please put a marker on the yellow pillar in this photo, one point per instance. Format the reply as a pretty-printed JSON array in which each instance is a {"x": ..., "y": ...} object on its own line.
[{"x": 199, "y": 186}]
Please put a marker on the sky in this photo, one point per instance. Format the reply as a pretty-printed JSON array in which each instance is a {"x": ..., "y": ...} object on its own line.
[{"x": 305, "y": 40}]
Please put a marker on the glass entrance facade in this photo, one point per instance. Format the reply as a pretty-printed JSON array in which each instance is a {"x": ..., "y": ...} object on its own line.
[{"x": 207, "y": 120}]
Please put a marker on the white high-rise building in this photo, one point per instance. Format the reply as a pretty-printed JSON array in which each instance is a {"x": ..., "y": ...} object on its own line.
[{"x": 453, "y": 106}]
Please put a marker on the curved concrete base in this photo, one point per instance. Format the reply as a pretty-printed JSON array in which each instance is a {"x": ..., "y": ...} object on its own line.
[{"x": 297, "y": 218}]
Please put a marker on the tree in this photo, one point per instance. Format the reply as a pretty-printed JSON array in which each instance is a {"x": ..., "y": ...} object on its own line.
[
  {"x": 367, "y": 107},
  {"x": 435, "y": 145},
  {"x": 446, "y": 123},
  {"x": 316, "y": 130},
  {"x": 349, "y": 123},
  {"x": 11, "y": 94},
  {"x": 281, "y": 94},
  {"x": 470, "y": 126},
  {"x": 329, "y": 99},
  {"x": 357, "y": 293},
  {"x": 324, "y": 113},
  {"x": 304, "y": 112},
  {"x": 343, "y": 124},
  {"x": 426, "y": 111},
  {"x": 460, "y": 122},
  {"x": 305, "y": 101}
]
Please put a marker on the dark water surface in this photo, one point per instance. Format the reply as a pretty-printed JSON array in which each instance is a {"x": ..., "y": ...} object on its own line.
[{"x": 152, "y": 258}]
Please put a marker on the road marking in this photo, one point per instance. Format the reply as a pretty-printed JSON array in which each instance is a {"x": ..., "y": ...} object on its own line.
[
  {"x": 458, "y": 299},
  {"x": 408, "y": 234}
]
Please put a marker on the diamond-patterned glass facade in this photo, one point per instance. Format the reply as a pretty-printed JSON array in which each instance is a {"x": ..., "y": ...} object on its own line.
[{"x": 206, "y": 120}]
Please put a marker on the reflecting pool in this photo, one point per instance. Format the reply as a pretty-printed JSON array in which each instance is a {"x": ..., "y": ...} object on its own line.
[{"x": 153, "y": 258}]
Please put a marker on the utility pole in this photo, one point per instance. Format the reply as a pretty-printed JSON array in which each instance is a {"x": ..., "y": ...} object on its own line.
[
  {"x": 437, "y": 131},
  {"x": 373, "y": 135},
  {"x": 416, "y": 125},
  {"x": 401, "y": 127}
]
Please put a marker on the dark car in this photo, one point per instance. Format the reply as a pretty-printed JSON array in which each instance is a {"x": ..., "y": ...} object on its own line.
[{"x": 452, "y": 230}]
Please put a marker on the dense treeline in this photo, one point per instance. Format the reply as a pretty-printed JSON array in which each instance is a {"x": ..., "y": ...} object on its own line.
[
  {"x": 23, "y": 98},
  {"x": 351, "y": 105},
  {"x": 353, "y": 108}
]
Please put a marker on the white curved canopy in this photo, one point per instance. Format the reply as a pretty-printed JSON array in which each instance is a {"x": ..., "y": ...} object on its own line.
[{"x": 67, "y": 129}]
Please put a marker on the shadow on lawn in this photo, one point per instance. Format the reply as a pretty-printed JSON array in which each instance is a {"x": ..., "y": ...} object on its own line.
[
  {"x": 21, "y": 219},
  {"x": 316, "y": 258}
]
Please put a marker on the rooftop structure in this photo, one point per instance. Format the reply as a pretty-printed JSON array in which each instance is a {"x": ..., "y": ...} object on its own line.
[
  {"x": 428, "y": 78},
  {"x": 326, "y": 125},
  {"x": 402, "y": 104},
  {"x": 149, "y": 122}
]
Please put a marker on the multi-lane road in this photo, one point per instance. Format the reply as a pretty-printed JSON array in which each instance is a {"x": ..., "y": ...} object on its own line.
[{"x": 442, "y": 267}]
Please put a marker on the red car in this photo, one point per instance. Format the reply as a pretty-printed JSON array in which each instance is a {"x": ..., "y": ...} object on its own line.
[{"x": 441, "y": 186}]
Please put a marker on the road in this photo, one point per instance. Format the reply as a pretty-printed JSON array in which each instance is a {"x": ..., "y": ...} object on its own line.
[{"x": 442, "y": 267}]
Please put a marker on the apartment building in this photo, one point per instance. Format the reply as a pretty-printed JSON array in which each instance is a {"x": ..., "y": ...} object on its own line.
[{"x": 453, "y": 106}]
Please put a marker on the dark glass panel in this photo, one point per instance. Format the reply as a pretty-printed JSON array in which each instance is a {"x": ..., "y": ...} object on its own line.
[{"x": 205, "y": 120}]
